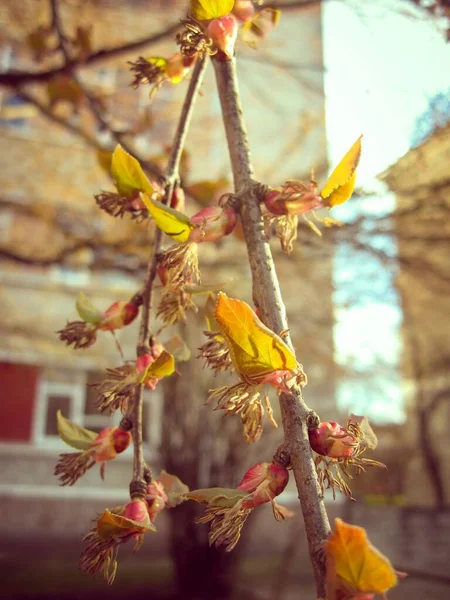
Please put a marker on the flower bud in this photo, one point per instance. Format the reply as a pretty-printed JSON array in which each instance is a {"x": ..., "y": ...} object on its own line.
[
  {"x": 223, "y": 32},
  {"x": 331, "y": 439},
  {"x": 119, "y": 315},
  {"x": 244, "y": 10},
  {"x": 110, "y": 442},
  {"x": 156, "y": 499},
  {"x": 177, "y": 68},
  {"x": 147, "y": 359},
  {"x": 137, "y": 511},
  {"x": 264, "y": 481},
  {"x": 212, "y": 223},
  {"x": 293, "y": 198}
]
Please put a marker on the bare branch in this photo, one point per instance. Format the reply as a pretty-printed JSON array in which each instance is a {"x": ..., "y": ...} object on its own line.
[
  {"x": 268, "y": 299},
  {"x": 14, "y": 77}
]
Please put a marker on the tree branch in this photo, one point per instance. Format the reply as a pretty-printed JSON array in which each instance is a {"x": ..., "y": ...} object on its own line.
[
  {"x": 268, "y": 299},
  {"x": 172, "y": 176},
  {"x": 14, "y": 77}
]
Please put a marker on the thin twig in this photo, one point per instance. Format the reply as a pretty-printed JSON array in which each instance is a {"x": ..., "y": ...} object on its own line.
[
  {"x": 144, "y": 331},
  {"x": 268, "y": 299}
]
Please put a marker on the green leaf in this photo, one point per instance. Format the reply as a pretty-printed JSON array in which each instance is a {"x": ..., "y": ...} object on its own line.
[
  {"x": 87, "y": 311},
  {"x": 218, "y": 497},
  {"x": 74, "y": 435},
  {"x": 178, "y": 347},
  {"x": 170, "y": 221},
  {"x": 128, "y": 174},
  {"x": 163, "y": 366},
  {"x": 204, "y": 10}
]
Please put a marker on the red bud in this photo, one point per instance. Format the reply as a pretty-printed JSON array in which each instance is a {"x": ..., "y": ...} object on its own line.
[
  {"x": 213, "y": 223},
  {"x": 331, "y": 439},
  {"x": 223, "y": 32}
]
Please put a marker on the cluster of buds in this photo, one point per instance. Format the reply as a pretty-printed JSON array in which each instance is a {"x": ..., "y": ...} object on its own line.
[
  {"x": 213, "y": 27},
  {"x": 228, "y": 509},
  {"x": 106, "y": 446},
  {"x": 155, "y": 71},
  {"x": 116, "y": 391},
  {"x": 117, "y": 205},
  {"x": 297, "y": 199},
  {"x": 178, "y": 268},
  {"x": 340, "y": 448},
  {"x": 83, "y": 334},
  {"x": 128, "y": 522},
  {"x": 212, "y": 223}
]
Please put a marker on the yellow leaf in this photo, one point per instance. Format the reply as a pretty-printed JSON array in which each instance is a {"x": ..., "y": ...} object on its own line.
[
  {"x": 341, "y": 183},
  {"x": 74, "y": 435},
  {"x": 158, "y": 61},
  {"x": 128, "y": 174},
  {"x": 204, "y": 10},
  {"x": 163, "y": 366},
  {"x": 257, "y": 29},
  {"x": 256, "y": 351},
  {"x": 354, "y": 565},
  {"x": 170, "y": 221},
  {"x": 111, "y": 525}
]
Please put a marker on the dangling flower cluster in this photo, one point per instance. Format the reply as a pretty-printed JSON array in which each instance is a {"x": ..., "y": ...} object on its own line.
[
  {"x": 341, "y": 448},
  {"x": 114, "y": 528},
  {"x": 295, "y": 199},
  {"x": 228, "y": 509},
  {"x": 130, "y": 522},
  {"x": 155, "y": 71},
  {"x": 83, "y": 334},
  {"x": 178, "y": 266},
  {"x": 105, "y": 446},
  {"x": 216, "y": 353},
  {"x": 117, "y": 390},
  {"x": 245, "y": 400}
]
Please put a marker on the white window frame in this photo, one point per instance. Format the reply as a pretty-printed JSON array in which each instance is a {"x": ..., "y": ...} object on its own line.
[{"x": 76, "y": 392}]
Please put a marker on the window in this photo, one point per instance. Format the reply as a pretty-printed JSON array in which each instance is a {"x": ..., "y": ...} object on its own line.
[
  {"x": 68, "y": 392},
  {"x": 71, "y": 392}
]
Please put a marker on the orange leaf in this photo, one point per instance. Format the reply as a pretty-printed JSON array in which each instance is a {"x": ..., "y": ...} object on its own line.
[
  {"x": 256, "y": 351},
  {"x": 355, "y": 566},
  {"x": 341, "y": 183}
]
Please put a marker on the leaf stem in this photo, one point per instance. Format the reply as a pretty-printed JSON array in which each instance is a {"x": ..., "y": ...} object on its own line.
[{"x": 268, "y": 299}]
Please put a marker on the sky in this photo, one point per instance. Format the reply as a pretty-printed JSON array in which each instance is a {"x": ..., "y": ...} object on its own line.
[{"x": 383, "y": 62}]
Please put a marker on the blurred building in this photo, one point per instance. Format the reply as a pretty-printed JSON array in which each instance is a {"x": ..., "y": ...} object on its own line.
[
  {"x": 421, "y": 183},
  {"x": 49, "y": 176}
]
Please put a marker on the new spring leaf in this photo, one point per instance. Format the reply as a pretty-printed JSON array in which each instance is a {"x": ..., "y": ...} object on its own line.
[
  {"x": 204, "y": 10},
  {"x": 128, "y": 174},
  {"x": 74, "y": 435},
  {"x": 170, "y": 221},
  {"x": 256, "y": 351},
  {"x": 341, "y": 183}
]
